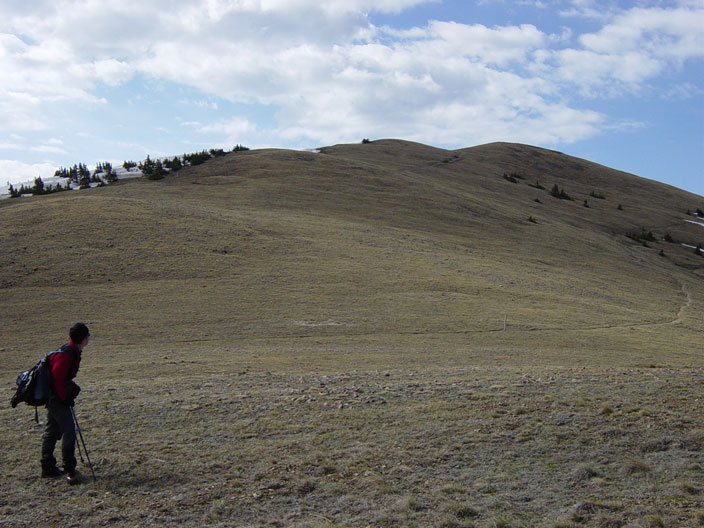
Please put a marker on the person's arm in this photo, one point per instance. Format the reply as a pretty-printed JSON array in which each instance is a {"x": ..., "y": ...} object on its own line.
[{"x": 59, "y": 372}]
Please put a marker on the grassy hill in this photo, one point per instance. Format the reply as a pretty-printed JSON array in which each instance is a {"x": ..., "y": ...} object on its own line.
[
  {"x": 391, "y": 272},
  {"x": 381, "y": 239}
]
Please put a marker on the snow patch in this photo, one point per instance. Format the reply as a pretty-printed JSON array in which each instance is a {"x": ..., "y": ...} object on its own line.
[
  {"x": 53, "y": 181},
  {"x": 695, "y": 222}
]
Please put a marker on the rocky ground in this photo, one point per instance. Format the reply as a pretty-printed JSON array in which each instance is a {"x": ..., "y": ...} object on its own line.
[{"x": 465, "y": 447}]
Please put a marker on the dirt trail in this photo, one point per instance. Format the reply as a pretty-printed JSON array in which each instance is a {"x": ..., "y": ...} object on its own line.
[{"x": 687, "y": 304}]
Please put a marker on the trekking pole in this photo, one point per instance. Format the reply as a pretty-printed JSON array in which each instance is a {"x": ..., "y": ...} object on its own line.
[
  {"x": 80, "y": 454},
  {"x": 80, "y": 434}
]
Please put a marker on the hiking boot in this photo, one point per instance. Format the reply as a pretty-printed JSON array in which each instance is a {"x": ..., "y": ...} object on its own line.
[
  {"x": 51, "y": 472},
  {"x": 73, "y": 477}
]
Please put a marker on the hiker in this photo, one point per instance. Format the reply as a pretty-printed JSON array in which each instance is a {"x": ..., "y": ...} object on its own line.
[{"x": 59, "y": 423}]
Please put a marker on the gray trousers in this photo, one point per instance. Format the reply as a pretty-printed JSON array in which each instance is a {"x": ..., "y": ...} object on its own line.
[{"x": 59, "y": 425}]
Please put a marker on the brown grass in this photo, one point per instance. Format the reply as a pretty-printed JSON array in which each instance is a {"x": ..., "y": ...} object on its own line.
[{"x": 289, "y": 339}]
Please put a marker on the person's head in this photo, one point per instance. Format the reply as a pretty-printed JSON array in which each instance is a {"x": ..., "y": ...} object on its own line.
[{"x": 79, "y": 334}]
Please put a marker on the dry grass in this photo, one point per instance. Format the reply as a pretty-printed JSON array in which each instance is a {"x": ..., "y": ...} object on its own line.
[
  {"x": 390, "y": 448},
  {"x": 290, "y": 339}
]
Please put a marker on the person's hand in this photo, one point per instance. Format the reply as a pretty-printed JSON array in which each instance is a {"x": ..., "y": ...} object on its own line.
[{"x": 72, "y": 391}]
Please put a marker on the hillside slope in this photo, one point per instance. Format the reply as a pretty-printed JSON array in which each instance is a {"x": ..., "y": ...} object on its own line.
[{"x": 383, "y": 242}]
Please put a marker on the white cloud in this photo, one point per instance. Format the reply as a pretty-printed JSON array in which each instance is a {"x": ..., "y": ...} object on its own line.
[
  {"x": 211, "y": 105},
  {"x": 332, "y": 75},
  {"x": 231, "y": 128},
  {"x": 665, "y": 34},
  {"x": 14, "y": 172},
  {"x": 499, "y": 46},
  {"x": 681, "y": 92},
  {"x": 634, "y": 47}
]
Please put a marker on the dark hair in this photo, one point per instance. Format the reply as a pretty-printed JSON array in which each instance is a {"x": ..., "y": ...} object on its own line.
[{"x": 78, "y": 332}]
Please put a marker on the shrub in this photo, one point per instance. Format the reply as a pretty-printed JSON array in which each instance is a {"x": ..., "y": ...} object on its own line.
[
  {"x": 365, "y": 141},
  {"x": 510, "y": 177},
  {"x": 533, "y": 220},
  {"x": 239, "y": 148},
  {"x": 560, "y": 193},
  {"x": 196, "y": 158},
  {"x": 597, "y": 195},
  {"x": 642, "y": 237}
]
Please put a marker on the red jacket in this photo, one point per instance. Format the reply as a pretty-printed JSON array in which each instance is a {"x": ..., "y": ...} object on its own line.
[{"x": 64, "y": 368}]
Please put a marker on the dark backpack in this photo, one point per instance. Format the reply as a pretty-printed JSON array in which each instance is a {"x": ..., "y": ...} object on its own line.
[{"x": 34, "y": 386}]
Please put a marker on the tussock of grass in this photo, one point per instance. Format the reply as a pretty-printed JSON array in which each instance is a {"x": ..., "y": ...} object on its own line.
[
  {"x": 584, "y": 472},
  {"x": 606, "y": 410},
  {"x": 655, "y": 521},
  {"x": 635, "y": 466},
  {"x": 657, "y": 445},
  {"x": 464, "y": 511}
]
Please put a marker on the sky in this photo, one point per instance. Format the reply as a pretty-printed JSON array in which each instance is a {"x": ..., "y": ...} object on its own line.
[{"x": 618, "y": 83}]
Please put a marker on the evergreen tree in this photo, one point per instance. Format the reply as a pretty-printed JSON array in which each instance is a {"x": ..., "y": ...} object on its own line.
[
  {"x": 147, "y": 166},
  {"x": 83, "y": 176},
  {"x": 157, "y": 172},
  {"x": 110, "y": 176},
  {"x": 174, "y": 164},
  {"x": 38, "y": 186},
  {"x": 73, "y": 174},
  {"x": 197, "y": 158}
]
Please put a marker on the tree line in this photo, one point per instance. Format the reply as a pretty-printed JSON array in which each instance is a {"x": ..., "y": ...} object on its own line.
[{"x": 81, "y": 177}]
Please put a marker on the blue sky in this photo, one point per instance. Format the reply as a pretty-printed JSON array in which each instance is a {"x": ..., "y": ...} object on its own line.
[{"x": 618, "y": 83}]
